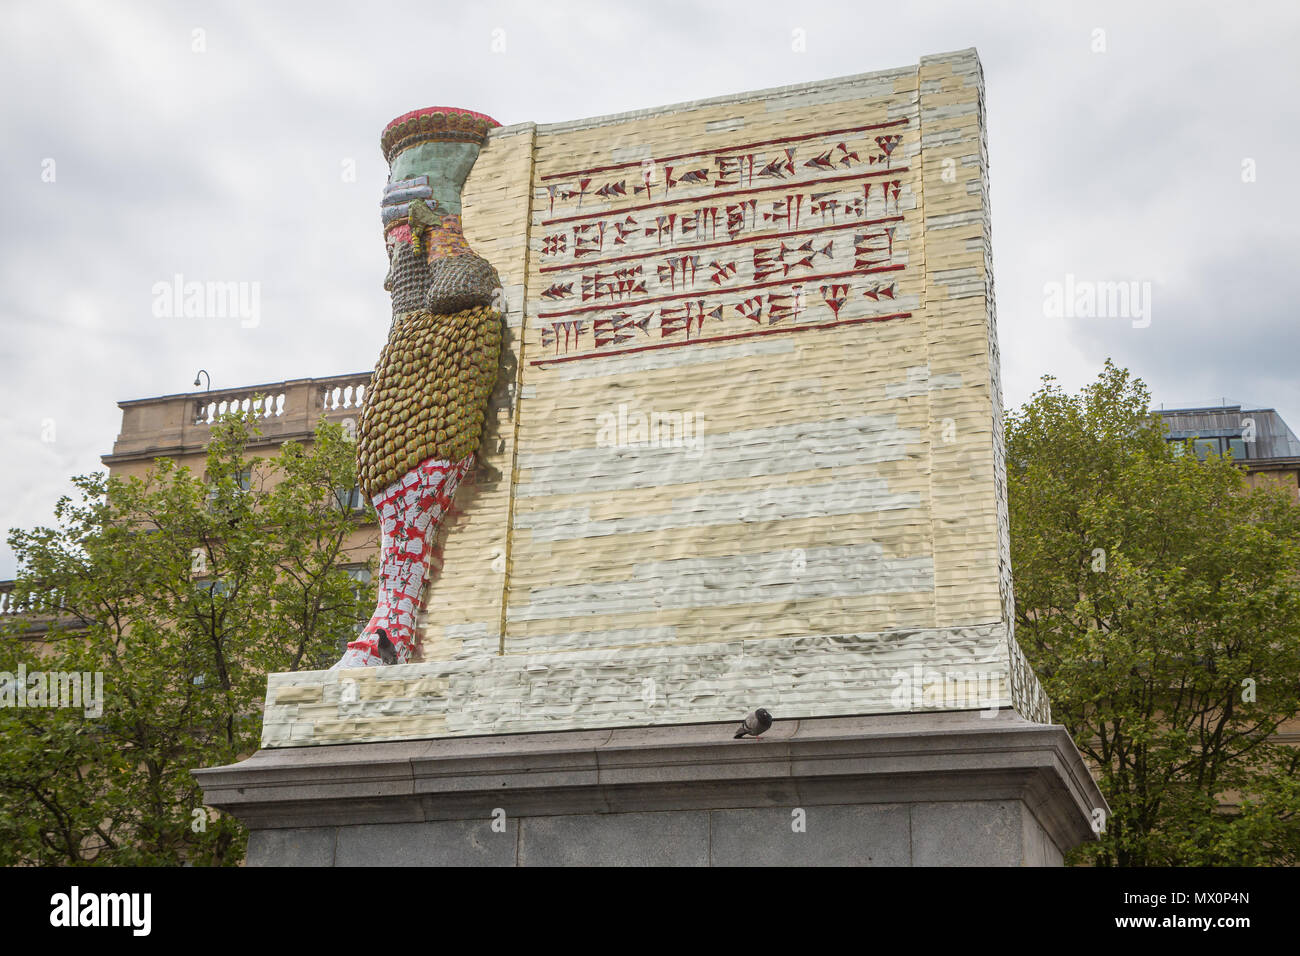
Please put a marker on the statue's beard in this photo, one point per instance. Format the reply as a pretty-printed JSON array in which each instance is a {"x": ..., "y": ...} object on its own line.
[
  {"x": 408, "y": 279},
  {"x": 445, "y": 285}
]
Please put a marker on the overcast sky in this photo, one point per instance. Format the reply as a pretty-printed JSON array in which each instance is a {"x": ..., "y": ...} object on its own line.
[{"x": 1128, "y": 163}]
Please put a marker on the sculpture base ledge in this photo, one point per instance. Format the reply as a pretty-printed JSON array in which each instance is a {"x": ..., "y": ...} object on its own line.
[{"x": 943, "y": 788}]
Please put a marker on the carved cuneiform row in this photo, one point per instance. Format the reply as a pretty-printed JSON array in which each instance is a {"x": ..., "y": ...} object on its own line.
[
  {"x": 776, "y": 233},
  {"x": 700, "y": 173}
]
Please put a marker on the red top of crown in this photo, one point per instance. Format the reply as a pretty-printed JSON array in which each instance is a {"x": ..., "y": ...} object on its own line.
[
  {"x": 435, "y": 124},
  {"x": 449, "y": 110}
]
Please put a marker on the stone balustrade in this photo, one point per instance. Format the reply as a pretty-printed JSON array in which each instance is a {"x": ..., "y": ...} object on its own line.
[
  {"x": 12, "y": 603},
  {"x": 178, "y": 425},
  {"x": 36, "y": 612},
  {"x": 208, "y": 410},
  {"x": 9, "y": 604}
]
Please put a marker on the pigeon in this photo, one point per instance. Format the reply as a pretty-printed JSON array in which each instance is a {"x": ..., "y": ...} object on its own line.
[
  {"x": 387, "y": 652},
  {"x": 755, "y": 724}
]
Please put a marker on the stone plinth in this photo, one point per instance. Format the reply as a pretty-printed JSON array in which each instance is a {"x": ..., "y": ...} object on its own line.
[
  {"x": 811, "y": 676},
  {"x": 950, "y": 788}
]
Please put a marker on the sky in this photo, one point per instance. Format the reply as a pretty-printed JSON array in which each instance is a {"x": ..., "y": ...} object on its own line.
[{"x": 1152, "y": 143}]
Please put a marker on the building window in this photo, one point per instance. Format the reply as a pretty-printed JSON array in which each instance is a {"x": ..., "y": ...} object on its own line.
[
  {"x": 350, "y": 499},
  {"x": 244, "y": 480},
  {"x": 1205, "y": 447}
]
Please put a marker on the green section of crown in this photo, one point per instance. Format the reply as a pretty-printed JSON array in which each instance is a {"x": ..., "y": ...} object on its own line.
[{"x": 446, "y": 164}]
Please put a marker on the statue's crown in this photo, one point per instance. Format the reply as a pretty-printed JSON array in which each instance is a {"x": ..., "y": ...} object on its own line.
[{"x": 435, "y": 124}]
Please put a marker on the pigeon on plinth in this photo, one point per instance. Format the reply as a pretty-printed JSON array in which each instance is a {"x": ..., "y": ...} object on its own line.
[
  {"x": 755, "y": 724},
  {"x": 387, "y": 651}
]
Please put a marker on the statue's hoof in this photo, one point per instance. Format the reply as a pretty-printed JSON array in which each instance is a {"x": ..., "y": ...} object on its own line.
[
  {"x": 357, "y": 657},
  {"x": 457, "y": 283}
]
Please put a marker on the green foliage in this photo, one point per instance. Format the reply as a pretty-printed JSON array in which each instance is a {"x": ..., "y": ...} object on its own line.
[
  {"x": 184, "y": 591},
  {"x": 1157, "y": 598}
]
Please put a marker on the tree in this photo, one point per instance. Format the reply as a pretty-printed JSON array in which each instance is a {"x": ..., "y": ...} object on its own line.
[
  {"x": 183, "y": 591},
  {"x": 1157, "y": 599}
]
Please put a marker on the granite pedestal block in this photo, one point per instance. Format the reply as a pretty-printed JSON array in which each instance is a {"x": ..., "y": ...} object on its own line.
[{"x": 918, "y": 789}]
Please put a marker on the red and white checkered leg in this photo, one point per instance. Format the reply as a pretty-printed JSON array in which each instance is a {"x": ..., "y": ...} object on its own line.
[{"x": 409, "y": 511}]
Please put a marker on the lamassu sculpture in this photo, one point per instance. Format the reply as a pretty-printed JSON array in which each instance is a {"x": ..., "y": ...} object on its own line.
[{"x": 427, "y": 401}]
